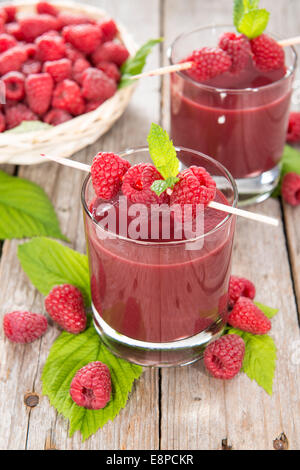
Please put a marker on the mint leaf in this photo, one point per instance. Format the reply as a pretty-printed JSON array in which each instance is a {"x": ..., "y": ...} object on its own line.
[
  {"x": 268, "y": 311},
  {"x": 25, "y": 210},
  {"x": 162, "y": 152},
  {"x": 290, "y": 162},
  {"x": 159, "y": 186},
  {"x": 238, "y": 12},
  {"x": 47, "y": 263},
  {"x": 135, "y": 65},
  {"x": 68, "y": 354},
  {"x": 29, "y": 126},
  {"x": 260, "y": 358},
  {"x": 253, "y": 23}
]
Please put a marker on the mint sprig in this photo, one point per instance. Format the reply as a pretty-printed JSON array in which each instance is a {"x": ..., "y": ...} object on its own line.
[
  {"x": 164, "y": 157},
  {"x": 249, "y": 19},
  {"x": 25, "y": 210},
  {"x": 135, "y": 65}
]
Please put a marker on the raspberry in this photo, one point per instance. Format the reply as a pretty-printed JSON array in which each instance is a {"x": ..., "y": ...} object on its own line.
[
  {"x": 45, "y": 7},
  {"x": 267, "y": 54},
  {"x": 3, "y": 16},
  {"x": 72, "y": 53},
  {"x": 50, "y": 47},
  {"x": 57, "y": 116},
  {"x": 96, "y": 85},
  {"x": 18, "y": 113},
  {"x": 195, "y": 186},
  {"x": 290, "y": 188},
  {"x": 33, "y": 26},
  {"x": 31, "y": 50},
  {"x": 6, "y": 42},
  {"x": 79, "y": 66},
  {"x": 11, "y": 11},
  {"x": 137, "y": 184},
  {"x": 107, "y": 172},
  {"x": 2, "y": 122},
  {"x": 208, "y": 62},
  {"x": 91, "y": 386},
  {"x": 24, "y": 327},
  {"x": 65, "y": 306},
  {"x": 67, "y": 96},
  {"x": 12, "y": 60},
  {"x": 110, "y": 52},
  {"x": 109, "y": 30},
  {"x": 92, "y": 105},
  {"x": 223, "y": 358},
  {"x": 66, "y": 19},
  {"x": 85, "y": 37},
  {"x": 240, "y": 287},
  {"x": 14, "y": 29},
  {"x": 110, "y": 69},
  {"x": 248, "y": 317},
  {"x": 293, "y": 133},
  {"x": 31, "y": 66},
  {"x": 39, "y": 87},
  {"x": 14, "y": 85},
  {"x": 238, "y": 48},
  {"x": 58, "y": 69}
]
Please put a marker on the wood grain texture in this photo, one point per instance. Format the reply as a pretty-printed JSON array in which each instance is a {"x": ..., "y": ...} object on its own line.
[
  {"x": 40, "y": 428},
  {"x": 180, "y": 408},
  {"x": 198, "y": 412}
]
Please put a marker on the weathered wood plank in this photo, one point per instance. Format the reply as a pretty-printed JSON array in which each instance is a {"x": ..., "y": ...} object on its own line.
[
  {"x": 137, "y": 425},
  {"x": 291, "y": 214},
  {"x": 198, "y": 411}
]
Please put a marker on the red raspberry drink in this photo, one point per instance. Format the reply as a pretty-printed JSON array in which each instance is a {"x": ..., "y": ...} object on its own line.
[
  {"x": 239, "y": 117},
  {"x": 158, "y": 301}
]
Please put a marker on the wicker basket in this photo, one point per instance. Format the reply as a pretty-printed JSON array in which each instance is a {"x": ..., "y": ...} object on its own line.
[{"x": 67, "y": 138}]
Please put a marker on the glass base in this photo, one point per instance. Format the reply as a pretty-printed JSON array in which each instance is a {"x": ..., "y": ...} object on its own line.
[
  {"x": 258, "y": 189},
  {"x": 175, "y": 353}
]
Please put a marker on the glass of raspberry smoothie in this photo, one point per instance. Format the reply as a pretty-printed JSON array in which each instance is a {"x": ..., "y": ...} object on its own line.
[
  {"x": 239, "y": 118},
  {"x": 158, "y": 302}
]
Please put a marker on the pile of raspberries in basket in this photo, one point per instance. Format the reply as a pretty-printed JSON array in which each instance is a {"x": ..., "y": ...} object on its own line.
[{"x": 55, "y": 65}]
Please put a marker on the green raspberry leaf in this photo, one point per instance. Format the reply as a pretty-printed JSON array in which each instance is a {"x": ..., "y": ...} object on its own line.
[
  {"x": 253, "y": 23},
  {"x": 135, "y": 65},
  {"x": 47, "y": 263},
  {"x": 68, "y": 354},
  {"x": 25, "y": 210},
  {"x": 29, "y": 126},
  {"x": 290, "y": 162},
  {"x": 268, "y": 311},
  {"x": 260, "y": 358},
  {"x": 163, "y": 152}
]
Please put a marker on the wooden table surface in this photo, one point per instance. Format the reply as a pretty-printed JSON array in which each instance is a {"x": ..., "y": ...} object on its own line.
[{"x": 179, "y": 408}]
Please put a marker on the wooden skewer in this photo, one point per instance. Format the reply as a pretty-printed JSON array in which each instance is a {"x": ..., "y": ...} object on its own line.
[
  {"x": 187, "y": 65},
  {"x": 289, "y": 42},
  {"x": 215, "y": 205}
]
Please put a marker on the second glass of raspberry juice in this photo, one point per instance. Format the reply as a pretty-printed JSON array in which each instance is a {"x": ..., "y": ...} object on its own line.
[
  {"x": 241, "y": 120},
  {"x": 159, "y": 303}
]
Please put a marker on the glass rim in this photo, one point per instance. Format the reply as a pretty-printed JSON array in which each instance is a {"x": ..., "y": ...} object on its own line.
[
  {"x": 131, "y": 151},
  {"x": 227, "y": 90}
]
